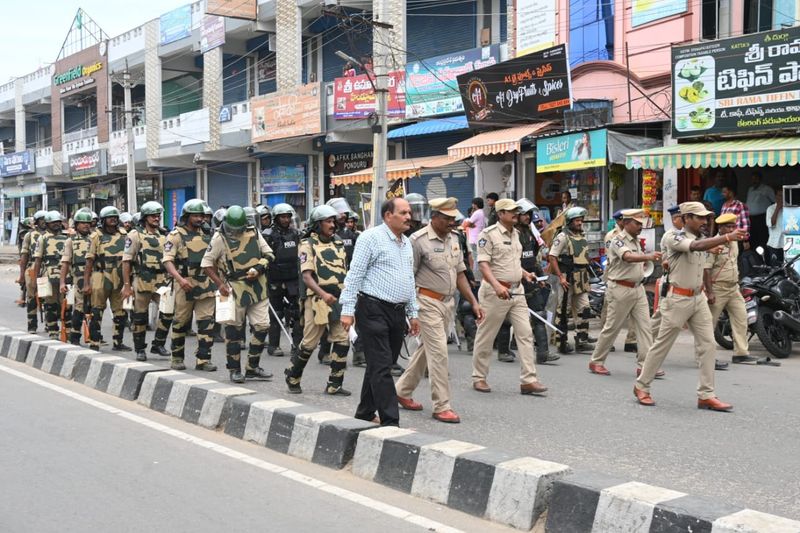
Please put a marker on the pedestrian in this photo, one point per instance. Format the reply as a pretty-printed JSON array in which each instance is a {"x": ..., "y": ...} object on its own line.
[
  {"x": 774, "y": 218},
  {"x": 714, "y": 193},
  {"x": 502, "y": 296},
  {"x": 625, "y": 294},
  {"x": 569, "y": 260},
  {"x": 284, "y": 278},
  {"x": 741, "y": 211},
  {"x": 144, "y": 250},
  {"x": 685, "y": 304},
  {"x": 475, "y": 225},
  {"x": 695, "y": 194},
  {"x": 49, "y": 251},
  {"x": 759, "y": 197},
  {"x": 192, "y": 289},
  {"x": 26, "y": 276},
  {"x": 247, "y": 256},
  {"x": 439, "y": 270},
  {"x": 73, "y": 264},
  {"x": 566, "y": 202},
  {"x": 380, "y": 296},
  {"x": 104, "y": 265},
  {"x": 323, "y": 269},
  {"x": 722, "y": 290},
  {"x": 630, "y": 339},
  {"x": 491, "y": 201}
]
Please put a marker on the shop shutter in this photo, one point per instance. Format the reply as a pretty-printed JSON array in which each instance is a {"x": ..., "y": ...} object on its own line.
[
  {"x": 179, "y": 179},
  {"x": 227, "y": 185},
  {"x": 440, "y": 182},
  {"x": 425, "y": 37},
  {"x": 426, "y": 145}
]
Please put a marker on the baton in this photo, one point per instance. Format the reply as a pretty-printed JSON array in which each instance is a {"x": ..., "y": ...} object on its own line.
[
  {"x": 280, "y": 323},
  {"x": 545, "y": 321}
]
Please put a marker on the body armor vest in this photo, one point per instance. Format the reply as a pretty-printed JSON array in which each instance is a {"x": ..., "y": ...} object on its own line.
[
  {"x": 284, "y": 245},
  {"x": 187, "y": 262},
  {"x": 348, "y": 238},
  {"x": 53, "y": 250},
  {"x": 109, "y": 250},
  {"x": 243, "y": 254},
  {"x": 329, "y": 263},
  {"x": 150, "y": 271},
  {"x": 529, "y": 261}
]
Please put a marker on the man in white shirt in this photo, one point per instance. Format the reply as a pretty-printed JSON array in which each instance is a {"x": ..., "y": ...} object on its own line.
[
  {"x": 759, "y": 197},
  {"x": 774, "y": 218}
]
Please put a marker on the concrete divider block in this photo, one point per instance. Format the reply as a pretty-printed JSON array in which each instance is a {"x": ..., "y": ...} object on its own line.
[
  {"x": 305, "y": 432},
  {"x": 98, "y": 374},
  {"x": 233, "y": 420},
  {"x": 336, "y": 441},
  {"x": 5, "y": 341},
  {"x": 38, "y": 351},
  {"x": 521, "y": 490},
  {"x": 178, "y": 392},
  {"x": 574, "y": 499},
  {"x": 127, "y": 378},
  {"x": 367, "y": 456},
  {"x": 259, "y": 419},
  {"x": 473, "y": 477},
  {"x": 688, "y": 513},
  {"x": 156, "y": 388},
  {"x": 20, "y": 344},
  {"x": 630, "y": 506},
  {"x": 282, "y": 426},
  {"x": 749, "y": 521},
  {"x": 214, "y": 403},
  {"x": 69, "y": 362},
  {"x": 399, "y": 459},
  {"x": 435, "y": 468}
]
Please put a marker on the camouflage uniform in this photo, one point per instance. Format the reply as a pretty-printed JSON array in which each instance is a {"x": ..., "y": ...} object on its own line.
[
  {"x": 245, "y": 251},
  {"x": 105, "y": 249},
  {"x": 326, "y": 262},
  {"x": 568, "y": 244},
  {"x": 50, "y": 249},
  {"x": 144, "y": 250},
  {"x": 185, "y": 249},
  {"x": 75, "y": 250},
  {"x": 29, "y": 247}
]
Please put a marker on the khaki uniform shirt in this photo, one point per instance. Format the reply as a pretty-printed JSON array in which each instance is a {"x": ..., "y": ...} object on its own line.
[
  {"x": 437, "y": 262},
  {"x": 607, "y": 240},
  {"x": 724, "y": 267},
  {"x": 668, "y": 237},
  {"x": 217, "y": 251},
  {"x": 685, "y": 266},
  {"x": 29, "y": 242},
  {"x": 618, "y": 268},
  {"x": 502, "y": 249},
  {"x": 94, "y": 242},
  {"x": 132, "y": 245}
]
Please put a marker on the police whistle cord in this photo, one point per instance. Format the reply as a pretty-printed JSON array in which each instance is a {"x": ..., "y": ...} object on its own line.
[{"x": 280, "y": 323}]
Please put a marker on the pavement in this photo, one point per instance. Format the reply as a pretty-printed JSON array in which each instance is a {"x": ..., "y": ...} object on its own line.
[{"x": 748, "y": 457}]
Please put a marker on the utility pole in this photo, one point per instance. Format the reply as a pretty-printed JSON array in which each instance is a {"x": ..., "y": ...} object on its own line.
[
  {"x": 381, "y": 55},
  {"x": 131, "y": 181}
]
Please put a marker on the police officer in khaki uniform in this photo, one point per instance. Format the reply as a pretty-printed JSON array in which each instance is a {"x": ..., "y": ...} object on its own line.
[
  {"x": 193, "y": 290},
  {"x": 626, "y": 297},
  {"x": 684, "y": 304},
  {"x": 323, "y": 268},
  {"x": 73, "y": 265},
  {"x": 104, "y": 265},
  {"x": 438, "y": 271},
  {"x": 502, "y": 296},
  {"x": 144, "y": 250},
  {"x": 48, "y": 254},
  {"x": 630, "y": 339},
  {"x": 247, "y": 256},
  {"x": 722, "y": 290},
  {"x": 26, "y": 277}
]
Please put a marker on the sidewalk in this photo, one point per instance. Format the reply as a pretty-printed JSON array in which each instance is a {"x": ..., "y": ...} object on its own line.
[{"x": 8, "y": 253}]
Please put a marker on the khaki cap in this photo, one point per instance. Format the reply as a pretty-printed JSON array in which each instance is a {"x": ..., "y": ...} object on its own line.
[
  {"x": 695, "y": 208},
  {"x": 446, "y": 206},
  {"x": 636, "y": 214},
  {"x": 726, "y": 218},
  {"x": 506, "y": 204}
]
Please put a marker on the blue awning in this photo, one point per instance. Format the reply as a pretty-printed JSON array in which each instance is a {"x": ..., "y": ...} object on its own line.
[{"x": 429, "y": 127}]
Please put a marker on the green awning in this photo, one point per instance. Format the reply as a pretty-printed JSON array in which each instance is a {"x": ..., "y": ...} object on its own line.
[{"x": 779, "y": 151}]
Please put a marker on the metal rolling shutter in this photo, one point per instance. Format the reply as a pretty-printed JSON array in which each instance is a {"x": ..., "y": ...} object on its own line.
[{"x": 425, "y": 37}]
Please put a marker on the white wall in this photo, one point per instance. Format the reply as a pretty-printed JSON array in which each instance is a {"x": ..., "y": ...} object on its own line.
[{"x": 488, "y": 178}]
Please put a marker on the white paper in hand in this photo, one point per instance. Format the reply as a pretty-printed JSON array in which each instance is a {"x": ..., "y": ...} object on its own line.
[{"x": 352, "y": 335}]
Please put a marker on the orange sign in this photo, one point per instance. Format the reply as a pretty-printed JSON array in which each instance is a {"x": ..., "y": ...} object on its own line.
[
  {"x": 237, "y": 9},
  {"x": 287, "y": 114}
]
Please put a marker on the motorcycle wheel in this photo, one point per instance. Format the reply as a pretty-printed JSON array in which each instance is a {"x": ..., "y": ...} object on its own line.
[
  {"x": 722, "y": 332},
  {"x": 774, "y": 338}
]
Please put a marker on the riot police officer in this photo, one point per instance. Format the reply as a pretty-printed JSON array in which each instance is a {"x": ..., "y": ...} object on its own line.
[
  {"x": 352, "y": 223},
  {"x": 48, "y": 254},
  {"x": 104, "y": 265},
  {"x": 26, "y": 278},
  {"x": 265, "y": 215},
  {"x": 420, "y": 212},
  {"x": 342, "y": 231},
  {"x": 126, "y": 221},
  {"x": 283, "y": 277},
  {"x": 73, "y": 264}
]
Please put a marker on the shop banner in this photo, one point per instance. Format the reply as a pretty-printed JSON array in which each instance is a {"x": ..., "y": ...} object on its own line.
[
  {"x": 585, "y": 149},
  {"x": 644, "y": 11},
  {"x": 354, "y": 96},
  {"x": 432, "y": 84},
  {"x": 748, "y": 83},
  {"x": 349, "y": 162},
  {"x": 176, "y": 24},
  {"x": 88, "y": 165},
  {"x": 524, "y": 89},
  {"x": 396, "y": 190},
  {"x": 283, "y": 179},
  {"x": 18, "y": 191},
  {"x": 236, "y": 9},
  {"x": 287, "y": 114},
  {"x": 17, "y": 163},
  {"x": 212, "y": 33},
  {"x": 535, "y": 25}
]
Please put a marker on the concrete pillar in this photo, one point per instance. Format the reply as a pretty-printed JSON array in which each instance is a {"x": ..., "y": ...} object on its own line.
[
  {"x": 395, "y": 11},
  {"x": 19, "y": 117},
  {"x": 152, "y": 88},
  {"x": 212, "y": 94},
  {"x": 289, "y": 43}
]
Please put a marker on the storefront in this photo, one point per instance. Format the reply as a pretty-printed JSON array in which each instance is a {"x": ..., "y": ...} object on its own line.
[
  {"x": 179, "y": 185},
  {"x": 283, "y": 179},
  {"x": 355, "y": 158},
  {"x": 94, "y": 187}
]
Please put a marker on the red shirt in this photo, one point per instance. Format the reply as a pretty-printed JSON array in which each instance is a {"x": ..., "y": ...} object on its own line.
[{"x": 742, "y": 215}]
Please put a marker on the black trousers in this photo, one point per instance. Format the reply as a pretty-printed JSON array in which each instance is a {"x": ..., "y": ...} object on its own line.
[{"x": 381, "y": 327}]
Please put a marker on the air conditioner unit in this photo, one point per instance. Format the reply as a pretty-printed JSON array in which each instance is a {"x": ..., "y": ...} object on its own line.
[{"x": 83, "y": 193}]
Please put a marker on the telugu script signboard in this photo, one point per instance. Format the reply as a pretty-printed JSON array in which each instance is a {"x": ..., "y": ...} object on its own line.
[{"x": 354, "y": 96}]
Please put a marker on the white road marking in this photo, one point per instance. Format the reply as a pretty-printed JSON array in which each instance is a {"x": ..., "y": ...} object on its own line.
[{"x": 390, "y": 510}]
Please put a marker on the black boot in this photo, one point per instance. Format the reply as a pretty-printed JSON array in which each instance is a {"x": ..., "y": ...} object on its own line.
[{"x": 141, "y": 356}]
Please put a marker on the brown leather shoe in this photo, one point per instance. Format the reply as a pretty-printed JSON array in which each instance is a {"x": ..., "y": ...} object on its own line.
[
  {"x": 714, "y": 404},
  {"x": 659, "y": 374},
  {"x": 448, "y": 416},
  {"x": 598, "y": 368},
  {"x": 532, "y": 388},
  {"x": 643, "y": 397},
  {"x": 409, "y": 404},
  {"x": 481, "y": 386}
]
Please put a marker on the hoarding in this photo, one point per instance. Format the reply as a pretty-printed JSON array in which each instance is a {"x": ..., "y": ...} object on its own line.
[
  {"x": 586, "y": 149},
  {"x": 176, "y": 24},
  {"x": 17, "y": 163},
  {"x": 354, "y": 96},
  {"x": 287, "y": 114},
  {"x": 535, "y": 25}
]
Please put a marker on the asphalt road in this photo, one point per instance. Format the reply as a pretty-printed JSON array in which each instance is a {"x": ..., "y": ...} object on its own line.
[
  {"x": 77, "y": 460},
  {"x": 749, "y": 457}
]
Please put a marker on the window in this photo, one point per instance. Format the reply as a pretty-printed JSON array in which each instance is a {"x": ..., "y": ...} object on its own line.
[
  {"x": 591, "y": 30},
  {"x": 765, "y": 15},
  {"x": 710, "y": 20}
]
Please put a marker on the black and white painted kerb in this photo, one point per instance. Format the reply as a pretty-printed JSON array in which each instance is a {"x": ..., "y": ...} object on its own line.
[{"x": 523, "y": 492}]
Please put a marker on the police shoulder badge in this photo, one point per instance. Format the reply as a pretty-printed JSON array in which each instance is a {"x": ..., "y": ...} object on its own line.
[
  {"x": 482, "y": 243},
  {"x": 618, "y": 243},
  {"x": 128, "y": 242},
  {"x": 168, "y": 246},
  {"x": 303, "y": 257}
]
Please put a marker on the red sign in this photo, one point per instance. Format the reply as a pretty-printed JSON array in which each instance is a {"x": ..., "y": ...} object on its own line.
[{"x": 354, "y": 97}]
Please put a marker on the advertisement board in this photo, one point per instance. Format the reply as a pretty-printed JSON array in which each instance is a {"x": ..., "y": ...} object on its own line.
[
  {"x": 644, "y": 11},
  {"x": 573, "y": 151},
  {"x": 17, "y": 163},
  {"x": 212, "y": 33},
  {"x": 237, "y": 9},
  {"x": 88, "y": 165},
  {"x": 528, "y": 88},
  {"x": 176, "y": 24},
  {"x": 354, "y": 97},
  {"x": 287, "y": 114},
  {"x": 748, "y": 83},
  {"x": 283, "y": 179},
  {"x": 432, "y": 84},
  {"x": 535, "y": 25}
]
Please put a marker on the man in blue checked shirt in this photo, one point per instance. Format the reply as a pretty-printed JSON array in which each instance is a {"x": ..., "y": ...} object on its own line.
[{"x": 379, "y": 295}]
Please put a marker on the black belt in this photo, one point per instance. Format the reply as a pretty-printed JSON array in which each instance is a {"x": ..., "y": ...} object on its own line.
[{"x": 382, "y": 302}]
